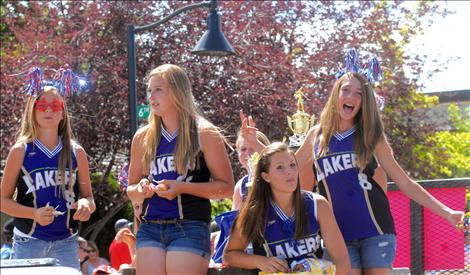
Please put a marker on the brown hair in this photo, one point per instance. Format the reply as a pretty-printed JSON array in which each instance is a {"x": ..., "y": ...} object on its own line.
[
  {"x": 257, "y": 204},
  {"x": 368, "y": 122}
]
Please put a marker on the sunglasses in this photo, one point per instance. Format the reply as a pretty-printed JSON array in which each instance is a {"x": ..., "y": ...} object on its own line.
[{"x": 42, "y": 105}]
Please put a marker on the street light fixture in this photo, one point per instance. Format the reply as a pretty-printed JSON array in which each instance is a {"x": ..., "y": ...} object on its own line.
[{"x": 212, "y": 43}]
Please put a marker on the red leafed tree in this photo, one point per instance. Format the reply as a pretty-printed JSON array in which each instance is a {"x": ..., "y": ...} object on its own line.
[
  {"x": 90, "y": 38},
  {"x": 281, "y": 46}
]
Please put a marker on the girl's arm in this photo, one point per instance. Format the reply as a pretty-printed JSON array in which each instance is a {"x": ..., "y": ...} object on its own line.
[
  {"x": 9, "y": 206},
  {"x": 307, "y": 177},
  {"x": 237, "y": 198},
  {"x": 139, "y": 188},
  {"x": 304, "y": 157},
  {"x": 412, "y": 189},
  {"x": 86, "y": 204},
  {"x": 234, "y": 255},
  {"x": 332, "y": 236},
  {"x": 218, "y": 163},
  {"x": 304, "y": 154}
]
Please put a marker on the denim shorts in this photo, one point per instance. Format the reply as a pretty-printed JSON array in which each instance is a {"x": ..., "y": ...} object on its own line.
[
  {"x": 374, "y": 252},
  {"x": 182, "y": 235},
  {"x": 66, "y": 251}
]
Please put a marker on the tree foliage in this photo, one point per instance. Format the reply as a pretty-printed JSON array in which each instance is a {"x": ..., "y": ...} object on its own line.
[
  {"x": 281, "y": 46},
  {"x": 450, "y": 153}
]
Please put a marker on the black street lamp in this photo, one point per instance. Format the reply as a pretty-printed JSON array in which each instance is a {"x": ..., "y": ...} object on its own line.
[{"x": 212, "y": 43}]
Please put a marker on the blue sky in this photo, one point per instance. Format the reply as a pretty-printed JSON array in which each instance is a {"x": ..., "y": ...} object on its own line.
[{"x": 448, "y": 38}]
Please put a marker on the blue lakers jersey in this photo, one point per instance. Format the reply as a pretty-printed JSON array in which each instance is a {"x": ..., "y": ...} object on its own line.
[
  {"x": 244, "y": 187},
  {"x": 184, "y": 206},
  {"x": 39, "y": 184},
  {"x": 280, "y": 229},
  {"x": 360, "y": 205}
]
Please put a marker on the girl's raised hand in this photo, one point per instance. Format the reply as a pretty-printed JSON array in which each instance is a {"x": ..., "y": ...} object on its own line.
[
  {"x": 248, "y": 133},
  {"x": 272, "y": 265},
  {"x": 248, "y": 129},
  {"x": 44, "y": 215},
  {"x": 83, "y": 212},
  {"x": 247, "y": 122}
]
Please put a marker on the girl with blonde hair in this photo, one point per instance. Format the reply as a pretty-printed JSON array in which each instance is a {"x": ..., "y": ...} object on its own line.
[
  {"x": 178, "y": 162},
  {"x": 46, "y": 184}
]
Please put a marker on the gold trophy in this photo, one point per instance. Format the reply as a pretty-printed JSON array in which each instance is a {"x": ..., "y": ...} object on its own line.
[{"x": 300, "y": 122}]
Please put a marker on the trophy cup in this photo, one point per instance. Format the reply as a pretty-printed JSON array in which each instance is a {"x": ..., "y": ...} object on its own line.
[{"x": 300, "y": 122}]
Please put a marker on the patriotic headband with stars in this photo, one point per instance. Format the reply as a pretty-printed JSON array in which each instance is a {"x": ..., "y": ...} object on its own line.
[
  {"x": 371, "y": 72},
  {"x": 64, "y": 80}
]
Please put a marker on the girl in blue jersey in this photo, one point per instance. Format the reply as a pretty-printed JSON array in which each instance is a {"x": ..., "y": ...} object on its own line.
[
  {"x": 282, "y": 222},
  {"x": 49, "y": 173},
  {"x": 178, "y": 162},
  {"x": 345, "y": 145},
  {"x": 244, "y": 151},
  {"x": 345, "y": 148}
]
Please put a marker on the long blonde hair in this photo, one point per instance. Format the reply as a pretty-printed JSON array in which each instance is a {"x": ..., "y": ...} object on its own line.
[
  {"x": 187, "y": 146},
  {"x": 369, "y": 126},
  {"x": 29, "y": 133}
]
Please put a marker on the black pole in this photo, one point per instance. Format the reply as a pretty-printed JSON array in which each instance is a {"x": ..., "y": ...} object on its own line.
[
  {"x": 416, "y": 238},
  {"x": 131, "y": 63},
  {"x": 131, "y": 79}
]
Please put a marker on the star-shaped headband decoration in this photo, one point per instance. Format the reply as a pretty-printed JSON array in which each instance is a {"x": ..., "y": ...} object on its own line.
[
  {"x": 64, "y": 80},
  {"x": 371, "y": 71}
]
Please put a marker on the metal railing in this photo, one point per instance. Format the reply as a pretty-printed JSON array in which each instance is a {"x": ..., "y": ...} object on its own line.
[{"x": 426, "y": 243}]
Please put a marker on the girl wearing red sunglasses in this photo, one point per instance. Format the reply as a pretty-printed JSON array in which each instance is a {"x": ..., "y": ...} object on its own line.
[{"x": 50, "y": 172}]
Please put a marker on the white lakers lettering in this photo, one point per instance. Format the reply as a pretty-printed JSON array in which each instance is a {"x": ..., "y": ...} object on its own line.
[
  {"x": 162, "y": 165},
  {"x": 339, "y": 163},
  {"x": 335, "y": 164},
  {"x": 297, "y": 248},
  {"x": 44, "y": 179}
]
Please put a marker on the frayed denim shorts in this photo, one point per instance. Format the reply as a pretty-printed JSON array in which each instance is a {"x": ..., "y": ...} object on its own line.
[
  {"x": 374, "y": 252},
  {"x": 177, "y": 235}
]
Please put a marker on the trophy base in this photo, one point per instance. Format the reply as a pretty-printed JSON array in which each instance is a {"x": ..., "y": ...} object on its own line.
[{"x": 295, "y": 141}]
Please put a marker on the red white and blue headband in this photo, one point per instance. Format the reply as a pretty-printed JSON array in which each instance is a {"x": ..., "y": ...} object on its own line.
[
  {"x": 371, "y": 71},
  {"x": 64, "y": 80}
]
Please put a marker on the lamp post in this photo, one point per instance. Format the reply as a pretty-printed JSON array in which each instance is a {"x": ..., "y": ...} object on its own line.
[{"x": 212, "y": 43}]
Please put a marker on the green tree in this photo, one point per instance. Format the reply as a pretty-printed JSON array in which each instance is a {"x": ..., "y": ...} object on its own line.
[{"x": 450, "y": 150}]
